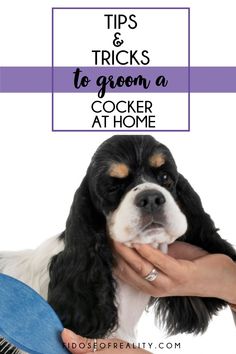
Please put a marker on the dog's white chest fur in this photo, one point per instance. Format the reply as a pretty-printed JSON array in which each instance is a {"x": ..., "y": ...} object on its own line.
[{"x": 131, "y": 304}]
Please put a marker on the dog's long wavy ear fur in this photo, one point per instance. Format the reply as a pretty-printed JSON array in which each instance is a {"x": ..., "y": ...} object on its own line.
[
  {"x": 82, "y": 289},
  {"x": 192, "y": 314}
]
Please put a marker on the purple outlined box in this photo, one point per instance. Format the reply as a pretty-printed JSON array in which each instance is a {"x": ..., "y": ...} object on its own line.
[{"x": 54, "y": 90}]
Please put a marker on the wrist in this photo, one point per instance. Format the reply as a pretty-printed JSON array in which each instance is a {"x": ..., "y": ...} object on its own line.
[
  {"x": 216, "y": 277},
  {"x": 228, "y": 285}
]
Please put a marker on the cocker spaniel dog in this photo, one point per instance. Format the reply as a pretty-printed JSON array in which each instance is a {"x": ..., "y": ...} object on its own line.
[{"x": 132, "y": 192}]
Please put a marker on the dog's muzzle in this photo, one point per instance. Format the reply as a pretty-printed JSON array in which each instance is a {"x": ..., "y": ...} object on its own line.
[{"x": 148, "y": 213}]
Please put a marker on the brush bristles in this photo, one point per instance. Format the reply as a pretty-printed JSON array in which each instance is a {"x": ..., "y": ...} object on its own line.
[{"x": 7, "y": 348}]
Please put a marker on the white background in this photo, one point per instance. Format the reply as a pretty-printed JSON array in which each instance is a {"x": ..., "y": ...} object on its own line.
[
  {"x": 40, "y": 170},
  {"x": 72, "y": 48},
  {"x": 73, "y": 111}
]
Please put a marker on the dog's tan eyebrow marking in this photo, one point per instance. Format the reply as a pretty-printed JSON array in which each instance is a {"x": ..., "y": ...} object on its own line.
[
  {"x": 118, "y": 170},
  {"x": 157, "y": 160}
]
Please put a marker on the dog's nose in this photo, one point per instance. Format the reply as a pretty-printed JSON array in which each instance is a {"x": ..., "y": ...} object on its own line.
[{"x": 149, "y": 200}]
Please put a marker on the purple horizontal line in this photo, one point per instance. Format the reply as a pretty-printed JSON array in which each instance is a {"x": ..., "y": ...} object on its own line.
[
  {"x": 120, "y": 8},
  {"x": 39, "y": 79},
  {"x": 119, "y": 130}
]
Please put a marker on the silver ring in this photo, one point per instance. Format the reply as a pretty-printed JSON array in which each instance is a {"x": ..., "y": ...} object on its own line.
[
  {"x": 94, "y": 345},
  {"x": 152, "y": 275}
]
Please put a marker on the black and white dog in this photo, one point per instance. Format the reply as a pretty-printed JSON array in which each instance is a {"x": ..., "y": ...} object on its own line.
[{"x": 132, "y": 192}]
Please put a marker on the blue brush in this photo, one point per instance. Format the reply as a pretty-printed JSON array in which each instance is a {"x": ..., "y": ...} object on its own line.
[{"x": 27, "y": 321}]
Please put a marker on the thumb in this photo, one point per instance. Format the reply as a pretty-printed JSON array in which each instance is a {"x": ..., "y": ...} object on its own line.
[{"x": 75, "y": 343}]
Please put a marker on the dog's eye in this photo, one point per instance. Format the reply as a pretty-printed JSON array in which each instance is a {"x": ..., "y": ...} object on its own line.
[
  {"x": 166, "y": 180},
  {"x": 114, "y": 185},
  {"x": 114, "y": 188},
  {"x": 164, "y": 177}
]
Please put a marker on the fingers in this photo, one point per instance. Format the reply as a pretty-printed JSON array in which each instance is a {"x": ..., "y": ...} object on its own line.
[
  {"x": 154, "y": 256},
  {"x": 133, "y": 268},
  {"x": 138, "y": 263},
  {"x": 75, "y": 343},
  {"x": 128, "y": 275},
  {"x": 135, "y": 279},
  {"x": 173, "y": 274},
  {"x": 183, "y": 250}
]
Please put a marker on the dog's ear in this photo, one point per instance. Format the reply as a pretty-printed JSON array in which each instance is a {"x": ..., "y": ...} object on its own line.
[
  {"x": 82, "y": 289},
  {"x": 192, "y": 314},
  {"x": 201, "y": 229}
]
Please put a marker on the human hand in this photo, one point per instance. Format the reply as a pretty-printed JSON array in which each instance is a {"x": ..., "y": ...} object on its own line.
[
  {"x": 187, "y": 270},
  {"x": 79, "y": 345}
]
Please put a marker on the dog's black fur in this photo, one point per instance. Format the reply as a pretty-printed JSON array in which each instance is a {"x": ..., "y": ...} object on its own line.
[{"x": 82, "y": 288}]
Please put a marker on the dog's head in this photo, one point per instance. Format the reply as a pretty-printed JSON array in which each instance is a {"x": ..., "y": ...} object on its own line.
[
  {"x": 132, "y": 192},
  {"x": 133, "y": 181}
]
